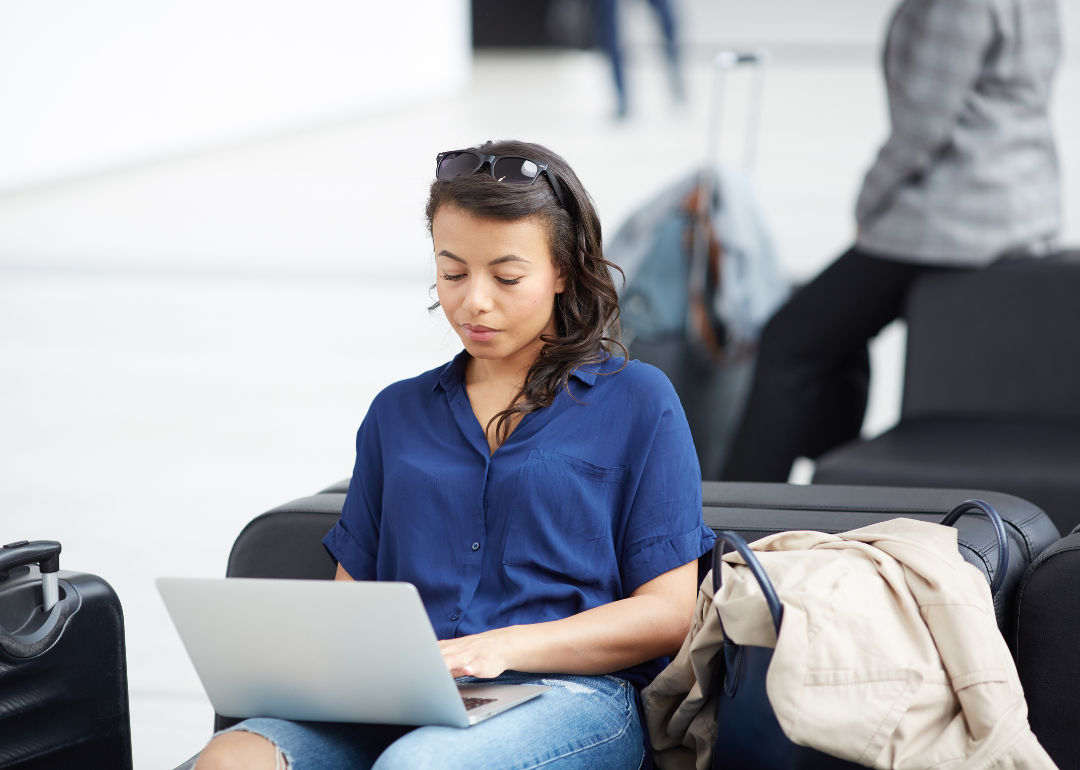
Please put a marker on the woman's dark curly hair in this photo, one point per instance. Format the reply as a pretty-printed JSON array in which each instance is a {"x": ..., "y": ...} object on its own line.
[{"x": 587, "y": 310}]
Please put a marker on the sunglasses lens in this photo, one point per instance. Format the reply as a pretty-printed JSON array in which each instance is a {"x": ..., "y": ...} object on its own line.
[
  {"x": 455, "y": 164},
  {"x": 518, "y": 170}
]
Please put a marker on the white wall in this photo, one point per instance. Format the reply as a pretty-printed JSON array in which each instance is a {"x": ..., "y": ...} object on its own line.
[{"x": 86, "y": 86}]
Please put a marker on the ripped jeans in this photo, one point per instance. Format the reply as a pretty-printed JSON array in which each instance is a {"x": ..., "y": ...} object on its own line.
[{"x": 581, "y": 723}]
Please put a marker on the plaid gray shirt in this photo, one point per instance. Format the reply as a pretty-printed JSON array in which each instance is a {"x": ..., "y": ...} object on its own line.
[{"x": 969, "y": 171}]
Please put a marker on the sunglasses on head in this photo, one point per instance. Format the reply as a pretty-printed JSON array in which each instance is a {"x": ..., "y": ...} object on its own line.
[{"x": 513, "y": 169}]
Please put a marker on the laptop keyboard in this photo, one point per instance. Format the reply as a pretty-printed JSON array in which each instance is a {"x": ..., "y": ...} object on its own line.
[{"x": 471, "y": 702}]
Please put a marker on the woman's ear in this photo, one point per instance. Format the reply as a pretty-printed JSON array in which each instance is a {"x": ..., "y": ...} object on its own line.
[{"x": 560, "y": 281}]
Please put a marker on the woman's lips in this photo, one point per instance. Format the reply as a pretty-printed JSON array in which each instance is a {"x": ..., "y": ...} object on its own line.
[{"x": 479, "y": 333}]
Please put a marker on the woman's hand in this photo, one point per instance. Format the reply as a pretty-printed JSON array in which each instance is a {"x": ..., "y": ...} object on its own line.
[
  {"x": 650, "y": 623},
  {"x": 484, "y": 655}
]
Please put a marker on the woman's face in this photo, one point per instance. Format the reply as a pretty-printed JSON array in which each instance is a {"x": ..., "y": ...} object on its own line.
[{"x": 497, "y": 283}]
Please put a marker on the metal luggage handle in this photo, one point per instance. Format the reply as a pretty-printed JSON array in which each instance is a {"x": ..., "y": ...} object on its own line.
[
  {"x": 776, "y": 609},
  {"x": 728, "y": 59},
  {"x": 976, "y": 506},
  {"x": 44, "y": 553},
  {"x": 36, "y": 633},
  {"x": 723, "y": 62}
]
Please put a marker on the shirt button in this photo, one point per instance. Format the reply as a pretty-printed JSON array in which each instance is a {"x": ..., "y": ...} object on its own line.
[
  {"x": 455, "y": 616},
  {"x": 476, "y": 546}
]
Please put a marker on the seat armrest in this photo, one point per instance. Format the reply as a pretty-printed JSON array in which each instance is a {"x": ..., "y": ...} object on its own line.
[{"x": 1047, "y": 627}]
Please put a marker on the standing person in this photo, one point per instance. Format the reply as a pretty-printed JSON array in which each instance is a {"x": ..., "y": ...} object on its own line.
[
  {"x": 606, "y": 18},
  {"x": 541, "y": 492},
  {"x": 967, "y": 176}
]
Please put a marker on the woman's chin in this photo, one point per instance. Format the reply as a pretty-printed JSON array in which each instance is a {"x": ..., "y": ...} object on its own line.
[{"x": 479, "y": 349}]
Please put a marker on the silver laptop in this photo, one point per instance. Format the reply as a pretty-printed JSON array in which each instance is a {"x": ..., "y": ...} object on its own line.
[{"x": 324, "y": 650}]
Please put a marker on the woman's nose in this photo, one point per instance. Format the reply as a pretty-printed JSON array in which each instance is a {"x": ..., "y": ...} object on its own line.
[{"x": 477, "y": 297}]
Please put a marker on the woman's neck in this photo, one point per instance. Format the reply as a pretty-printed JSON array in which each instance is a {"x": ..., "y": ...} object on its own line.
[
  {"x": 508, "y": 372},
  {"x": 497, "y": 373},
  {"x": 493, "y": 386}
]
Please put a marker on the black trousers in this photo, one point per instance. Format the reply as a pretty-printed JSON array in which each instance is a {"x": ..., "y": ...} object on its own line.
[{"x": 813, "y": 371}]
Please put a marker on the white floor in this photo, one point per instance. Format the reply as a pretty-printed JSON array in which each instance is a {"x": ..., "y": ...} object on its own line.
[{"x": 186, "y": 344}]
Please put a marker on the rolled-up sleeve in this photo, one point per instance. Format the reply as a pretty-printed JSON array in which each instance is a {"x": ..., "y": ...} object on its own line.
[
  {"x": 354, "y": 541},
  {"x": 664, "y": 528}
]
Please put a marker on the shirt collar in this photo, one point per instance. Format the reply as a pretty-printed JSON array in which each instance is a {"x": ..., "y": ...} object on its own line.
[
  {"x": 585, "y": 376},
  {"x": 453, "y": 374}
]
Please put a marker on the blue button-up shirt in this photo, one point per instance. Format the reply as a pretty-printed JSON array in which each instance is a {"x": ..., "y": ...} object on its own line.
[{"x": 586, "y": 500}]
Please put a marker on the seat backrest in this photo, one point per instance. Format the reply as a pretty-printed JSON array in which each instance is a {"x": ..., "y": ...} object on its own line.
[
  {"x": 286, "y": 542},
  {"x": 1001, "y": 342}
]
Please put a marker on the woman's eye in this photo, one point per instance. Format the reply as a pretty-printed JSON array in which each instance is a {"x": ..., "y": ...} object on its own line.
[
  {"x": 456, "y": 277},
  {"x": 508, "y": 281}
]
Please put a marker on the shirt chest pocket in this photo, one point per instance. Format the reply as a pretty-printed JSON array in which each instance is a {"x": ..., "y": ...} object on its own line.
[{"x": 564, "y": 515}]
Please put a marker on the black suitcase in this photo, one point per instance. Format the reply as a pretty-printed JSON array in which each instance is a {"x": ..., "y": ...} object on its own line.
[{"x": 63, "y": 674}]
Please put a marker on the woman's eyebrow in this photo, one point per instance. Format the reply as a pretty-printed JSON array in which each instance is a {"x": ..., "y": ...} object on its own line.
[
  {"x": 496, "y": 261},
  {"x": 509, "y": 258}
]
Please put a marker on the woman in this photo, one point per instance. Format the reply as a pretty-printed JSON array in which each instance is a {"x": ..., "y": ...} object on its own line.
[
  {"x": 541, "y": 493},
  {"x": 968, "y": 176}
]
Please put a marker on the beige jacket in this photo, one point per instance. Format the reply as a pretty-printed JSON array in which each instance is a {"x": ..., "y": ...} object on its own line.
[{"x": 889, "y": 655}]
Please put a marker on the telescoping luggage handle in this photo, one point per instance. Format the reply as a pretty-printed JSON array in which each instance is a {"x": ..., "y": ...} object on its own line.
[
  {"x": 723, "y": 63},
  {"x": 707, "y": 193},
  {"x": 776, "y": 609},
  {"x": 44, "y": 553}
]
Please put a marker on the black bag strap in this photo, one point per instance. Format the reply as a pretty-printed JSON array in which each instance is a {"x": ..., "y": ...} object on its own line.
[
  {"x": 981, "y": 506},
  {"x": 776, "y": 609}
]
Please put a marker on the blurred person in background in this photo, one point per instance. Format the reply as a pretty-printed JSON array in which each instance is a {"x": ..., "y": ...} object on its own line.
[
  {"x": 606, "y": 18},
  {"x": 967, "y": 176}
]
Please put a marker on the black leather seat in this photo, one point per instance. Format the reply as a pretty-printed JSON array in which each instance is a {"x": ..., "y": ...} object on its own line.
[
  {"x": 286, "y": 542},
  {"x": 991, "y": 389},
  {"x": 1047, "y": 627}
]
